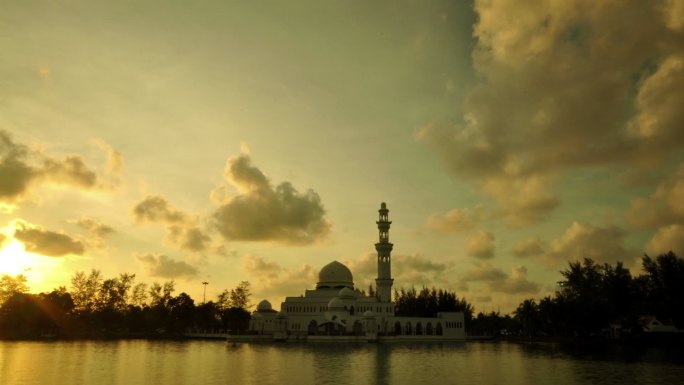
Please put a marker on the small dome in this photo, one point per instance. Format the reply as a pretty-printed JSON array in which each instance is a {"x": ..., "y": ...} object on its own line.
[
  {"x": 335, "y": 275},
  {"x": 367, "y": 313},
  {"x": 264, "y": 306},
  {"x": 347, "y": 293},
  {"x": 336, "y": 303}
]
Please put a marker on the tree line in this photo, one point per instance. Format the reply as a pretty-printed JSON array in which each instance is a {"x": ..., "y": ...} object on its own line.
[
  {"x": 592, "y": 296},
  {"x": 95, "y": 306}
]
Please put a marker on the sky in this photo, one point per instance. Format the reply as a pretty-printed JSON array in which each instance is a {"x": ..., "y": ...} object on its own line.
[{"x": 223, "y": 141}]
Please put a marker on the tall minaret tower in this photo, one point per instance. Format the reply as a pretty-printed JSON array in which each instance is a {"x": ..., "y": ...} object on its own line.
[{"x": 384, "y": 281}]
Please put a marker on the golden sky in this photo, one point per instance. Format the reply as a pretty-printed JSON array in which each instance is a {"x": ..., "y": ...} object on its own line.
[{"x": 227, "y": 141}]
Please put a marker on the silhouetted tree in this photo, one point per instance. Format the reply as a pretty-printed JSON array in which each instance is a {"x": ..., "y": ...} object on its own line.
[
  {"x": 10, "y": 285},
  {"x": 664, "y": 285},
  {"x": 527, "y": 314}
]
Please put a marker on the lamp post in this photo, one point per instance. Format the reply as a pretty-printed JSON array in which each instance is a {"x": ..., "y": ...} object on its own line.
[{"x": 204, "y": 298}]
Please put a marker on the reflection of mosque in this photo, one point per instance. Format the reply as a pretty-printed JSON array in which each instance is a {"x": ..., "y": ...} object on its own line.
[{"x": 335, "y": 310}]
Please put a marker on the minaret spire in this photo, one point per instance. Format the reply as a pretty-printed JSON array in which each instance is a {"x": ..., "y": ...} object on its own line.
[{"x": 384, "y": 249}]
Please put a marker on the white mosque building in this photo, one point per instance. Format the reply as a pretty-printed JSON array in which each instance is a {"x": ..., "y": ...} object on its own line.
[{"x": 336, "y": 311}]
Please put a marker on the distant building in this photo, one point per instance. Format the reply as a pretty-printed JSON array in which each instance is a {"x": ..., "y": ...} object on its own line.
[{"x": 336, "y": 311}]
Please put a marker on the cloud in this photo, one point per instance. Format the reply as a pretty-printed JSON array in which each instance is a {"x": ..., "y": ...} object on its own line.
[
  {"x": 583, "y": 240},
  {"x": 457, "y": 220},
  {"x": 485, "y": 273},
  {"x": 181, "y": 229},
  {"x": 3, "y": 238},
  {"x": 21, "y": 168},
  {"x": 498, "y": 281},
  {"x": 521, "y": 200},
  {"x": 667, "y": 238},
  {"x": 259, "y": 267},
  {"x": 188, "y": 238},
  {"x": 114, "y": 159},
  {"x": 162, "y": 266},
  {"x": 95, "y": 228},
  {"x": 271, "y": 280},
  {"x": 261, "y": 212},
  {"x": 155, "y": 208},
  {"x": 665, "y": 206},
  {"x": 72, "y": 170},
  {"x": 407, "y": 269},
  {"x": 530, "y": 247},
  {"x": 553, "y": 94},
  {"x": 46, "y": 242},
  {"x": 98, "y": 231},
  {"x": 15, "y": 173},
  {"x": 480, "y": 245}
]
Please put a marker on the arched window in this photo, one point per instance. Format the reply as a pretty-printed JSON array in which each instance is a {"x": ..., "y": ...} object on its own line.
[
  {"x": 438, "y": 329},
  {"x": 397, "y": 328},
  {"x": 419, "y": 329},
  {"x": 407, "y": 329},
  {"x": 428, "y": 329},
  {"x": 358, "y": 328},
  {"x": 313, "y": 326}
]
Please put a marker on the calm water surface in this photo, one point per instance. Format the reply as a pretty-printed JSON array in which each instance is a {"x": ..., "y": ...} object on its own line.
[{"x": 213, "y": 362}]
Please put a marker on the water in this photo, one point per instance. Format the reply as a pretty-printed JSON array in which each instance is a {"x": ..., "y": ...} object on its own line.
[{"x": 134, "y": 362}]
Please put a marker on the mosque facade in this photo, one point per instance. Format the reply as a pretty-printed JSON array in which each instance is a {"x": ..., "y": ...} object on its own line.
[{"x": 335, "y": 310}]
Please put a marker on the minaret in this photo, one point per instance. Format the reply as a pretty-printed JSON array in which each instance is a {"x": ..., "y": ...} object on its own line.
[{"x": 384, "y": 281}]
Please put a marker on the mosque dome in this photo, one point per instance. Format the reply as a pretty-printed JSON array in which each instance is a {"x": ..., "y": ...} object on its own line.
[
  {"x": 346, "y": 293},
  {"x": 264, "y": 306},
  {"x": 335, "y": 275},
  {"x": 336, "y": 303}
]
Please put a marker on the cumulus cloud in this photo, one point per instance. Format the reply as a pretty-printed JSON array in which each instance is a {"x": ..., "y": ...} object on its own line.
[
  {"x": 271, "y": 280},
  {"x": 98, "y": 231},
  {"x": 20, "y": 168},
  {"x": 46, "y": 242},
  {"x": 521, "y": 200},
  {"x": 583, "y": 240},
  {"x": 667, "y": 238},
  {"x": 530, "y": 247},
  {"x": 261, "y": 212},
  {"x": 407, "y": 269},
  {"x": 181, "y": 229},
  {"x": 457, "y": 220},
  {"x": 261, "y": 268},
  {"x": 665, "y": 206},
  {"x": 554, "y": 84},
  {"x": 155, "y": 208},
  {"x": 498, "y": 281},
  {"x": 93, "y": 226},
  {"x": 188, "y": 238},
  {"x": 480, "y": 245},
  {"x": 163, "y": 266}
]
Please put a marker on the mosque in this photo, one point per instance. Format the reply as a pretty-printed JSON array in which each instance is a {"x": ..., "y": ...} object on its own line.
[{"x": 336, "y": 311}]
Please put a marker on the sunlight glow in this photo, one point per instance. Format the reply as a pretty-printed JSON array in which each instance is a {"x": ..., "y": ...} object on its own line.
[{"x": 14, "y": 259}]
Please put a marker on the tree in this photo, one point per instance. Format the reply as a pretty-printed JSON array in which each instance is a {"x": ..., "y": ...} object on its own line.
[
  {"x": 139, "y": 295},
  {"x": 10, "y": 285},
  {"x": 84, "y": 290},
  {"x": 527, "y": 314},
  {"x": 239, "y": 297},
  {"x": 664, "y": 285},
  {"x": 181, "y": 313}
]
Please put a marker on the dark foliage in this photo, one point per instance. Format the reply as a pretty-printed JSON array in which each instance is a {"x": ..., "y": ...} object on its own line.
[
  {"x": 108, "y": 307},
  {"x": 591, "y": 297}
]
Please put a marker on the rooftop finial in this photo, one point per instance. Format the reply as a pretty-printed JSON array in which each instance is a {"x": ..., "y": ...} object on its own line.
[{"x": 383, "y": 205}]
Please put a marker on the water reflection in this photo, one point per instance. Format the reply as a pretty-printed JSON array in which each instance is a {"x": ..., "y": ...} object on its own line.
[{"x": 215, "y": 362}]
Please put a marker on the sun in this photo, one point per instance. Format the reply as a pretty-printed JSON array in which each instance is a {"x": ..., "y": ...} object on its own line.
[{"x": 14, "y": 259}]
